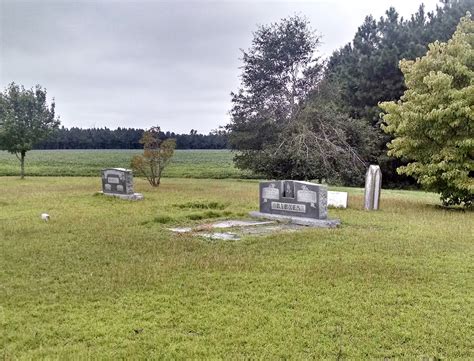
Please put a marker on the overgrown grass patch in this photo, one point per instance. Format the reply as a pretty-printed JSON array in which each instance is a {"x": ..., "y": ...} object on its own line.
[
  {"x": 205, "y": 215},
  {"x": 163, "y": 219},
  {"x": 397, "y": 283},
  {"x": 201, "y": 205}
]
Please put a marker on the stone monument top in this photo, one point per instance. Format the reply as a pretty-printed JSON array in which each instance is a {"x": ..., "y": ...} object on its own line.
[
  {"x": 299, "y": 202},
  {"x": 118, "y": 182}
]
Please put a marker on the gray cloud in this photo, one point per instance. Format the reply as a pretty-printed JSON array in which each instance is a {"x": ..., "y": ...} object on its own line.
[{"x": 141, "y": 63}]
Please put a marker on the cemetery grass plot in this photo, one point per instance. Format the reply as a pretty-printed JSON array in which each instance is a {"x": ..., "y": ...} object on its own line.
[{"x": 104, "y": 278}]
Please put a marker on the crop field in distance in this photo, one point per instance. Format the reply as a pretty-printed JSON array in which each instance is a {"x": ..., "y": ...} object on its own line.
[{"x": 185, "y": 163}]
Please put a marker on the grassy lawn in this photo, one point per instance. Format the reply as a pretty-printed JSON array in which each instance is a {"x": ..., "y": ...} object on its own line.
[
  {"x": 105, "y": 279},
  {"x": 185, "y": 163}
]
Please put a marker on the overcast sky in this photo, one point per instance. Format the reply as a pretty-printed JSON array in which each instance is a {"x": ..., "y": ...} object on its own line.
[{"x": 145, "y": 63}]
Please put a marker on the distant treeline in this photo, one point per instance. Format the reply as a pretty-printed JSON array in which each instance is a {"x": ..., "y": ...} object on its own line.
[{"x": 126, "y": 138}]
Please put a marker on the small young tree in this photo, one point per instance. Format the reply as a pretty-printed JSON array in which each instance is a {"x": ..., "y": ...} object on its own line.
[
  {"x": 25, "y": 119},
  {"x": 156, "y": 156},
  {"x": 433, "y": 122}
]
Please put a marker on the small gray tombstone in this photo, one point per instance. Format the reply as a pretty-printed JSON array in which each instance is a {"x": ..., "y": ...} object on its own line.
[
  {"x": 302, "y": 203},
  {"x": 373, "y": 186},
  {"x": 118, "y": 182}
]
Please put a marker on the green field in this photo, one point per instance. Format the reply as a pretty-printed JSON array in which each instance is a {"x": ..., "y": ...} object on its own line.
[
  {"x": 185, "y": 163},
  {"x": 105, "y": 279}
]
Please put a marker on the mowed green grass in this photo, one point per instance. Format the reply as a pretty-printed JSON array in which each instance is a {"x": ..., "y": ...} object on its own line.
[
  {"x": 105, "y": 279},
  {"x": 185, "y": 163}
]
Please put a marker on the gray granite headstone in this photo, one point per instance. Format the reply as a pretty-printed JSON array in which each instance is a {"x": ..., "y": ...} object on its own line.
[
  {"x": 118, "y": 182},
  {"x": 299, "y": 202},
  {"x": 373, "y": 186}
]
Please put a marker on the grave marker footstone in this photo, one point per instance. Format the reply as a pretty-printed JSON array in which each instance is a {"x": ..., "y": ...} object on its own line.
[
  {"x": 118, "y": 182},
  {"x": 302, "y": 203},
  {"x": 337, "y": 199},
  {"x": 373, "y": 186}
]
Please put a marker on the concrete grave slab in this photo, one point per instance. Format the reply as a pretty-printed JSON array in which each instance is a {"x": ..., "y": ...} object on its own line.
[
  {"x": 240, "y": 228},
  {"x": 225, "y": 236},
  {"x": 302, "y": 221},
  {"x": 230, "y": 224}
]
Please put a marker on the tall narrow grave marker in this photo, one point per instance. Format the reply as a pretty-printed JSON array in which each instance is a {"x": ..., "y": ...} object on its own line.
[{"x": 373, "y": 186}]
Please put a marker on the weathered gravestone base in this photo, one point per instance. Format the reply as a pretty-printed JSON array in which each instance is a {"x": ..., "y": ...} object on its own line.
[
  {"x": 301, "y": 203},
  {"x": 127, "y": 197},
  {"x": 302, "y": 221},
  {"x": 118, "y": 182}
]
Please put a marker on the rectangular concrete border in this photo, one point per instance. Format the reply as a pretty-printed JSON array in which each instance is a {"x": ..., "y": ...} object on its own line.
[{"x": 310, "y": 222}]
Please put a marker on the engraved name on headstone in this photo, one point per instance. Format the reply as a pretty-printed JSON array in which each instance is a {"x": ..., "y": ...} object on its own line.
[
  {"x": 289, "y": 207},
  {"x": 294, "y": 198},
  {"x": 373, "y": 185}
]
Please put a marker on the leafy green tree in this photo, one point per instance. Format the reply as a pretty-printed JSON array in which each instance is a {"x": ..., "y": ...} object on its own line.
[
  {"x": 279, "y": 71},
  {"x": 444, "y": 20},
  {"x": 321, "y": 143},
  {"x": 156, "y": 156},
  {"x": 281, "y": 124},
  {"x": 367, "y": 71},
  {"x": 433, "y": 122},
  {"x": 25, "y": 119}
]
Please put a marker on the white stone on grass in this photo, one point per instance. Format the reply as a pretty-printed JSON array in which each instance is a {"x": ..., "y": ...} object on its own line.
[
  {"x": 181, "y": 230},
  {"x": 225, "y": 236},
  {"x": 230, "y": 224},
  {"x": 337, "y": 199}
]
